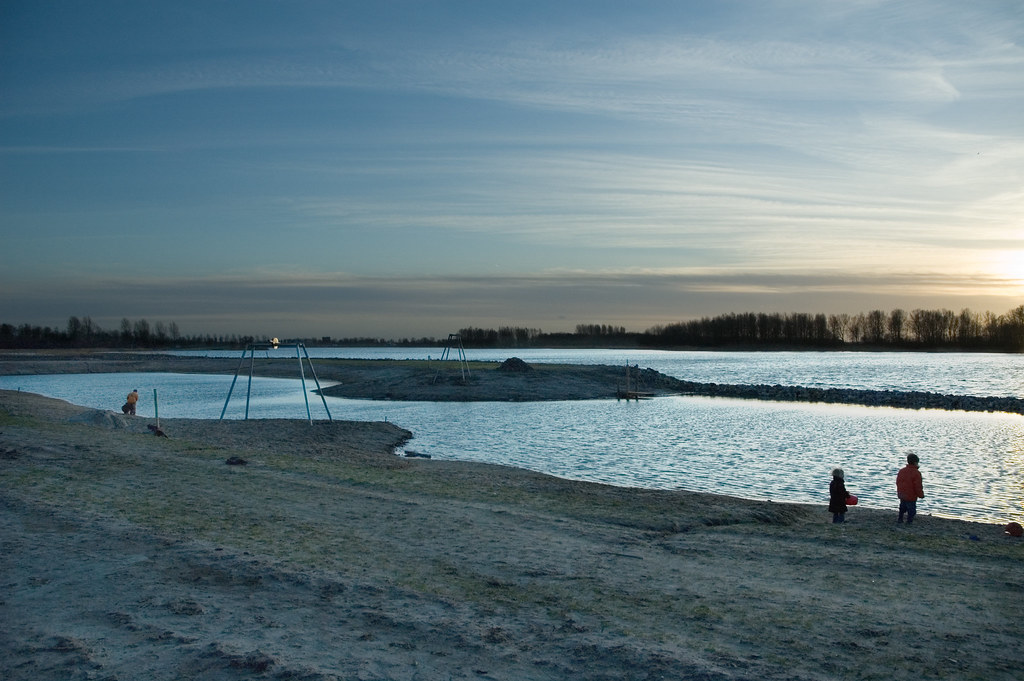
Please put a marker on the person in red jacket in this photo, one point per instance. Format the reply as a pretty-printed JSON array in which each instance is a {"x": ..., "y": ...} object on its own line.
[{"x": 909, "y": 488}]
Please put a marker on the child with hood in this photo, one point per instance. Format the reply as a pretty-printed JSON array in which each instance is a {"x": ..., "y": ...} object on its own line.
[{"x": 837, "y": 495}]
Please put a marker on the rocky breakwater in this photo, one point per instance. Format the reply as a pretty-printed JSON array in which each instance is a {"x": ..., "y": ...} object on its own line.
[{"x": 899, "y": 399}]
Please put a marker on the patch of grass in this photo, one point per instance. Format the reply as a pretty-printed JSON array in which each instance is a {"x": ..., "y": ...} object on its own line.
[{"x": 9, "y": 419}]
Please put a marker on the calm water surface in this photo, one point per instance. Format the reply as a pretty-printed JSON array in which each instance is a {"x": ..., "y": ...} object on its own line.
[{"x": 973, "y": 463}]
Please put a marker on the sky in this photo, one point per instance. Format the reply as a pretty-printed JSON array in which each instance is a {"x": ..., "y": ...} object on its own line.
[{"x": 407, "y": 169}]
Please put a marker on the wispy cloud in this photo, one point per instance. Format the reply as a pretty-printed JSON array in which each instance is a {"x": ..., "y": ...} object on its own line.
[
  {"x": 663, "y": 74},
  {"x": 690, "y": 155}
]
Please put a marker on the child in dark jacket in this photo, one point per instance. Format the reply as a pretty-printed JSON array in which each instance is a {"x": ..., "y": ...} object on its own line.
[{"x": 837, "y": 495}]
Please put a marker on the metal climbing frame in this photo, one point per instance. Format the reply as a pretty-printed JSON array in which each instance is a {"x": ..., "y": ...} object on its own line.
[
  {"x": 454, "y": 341},
  {"x": 251, "y": 351}
]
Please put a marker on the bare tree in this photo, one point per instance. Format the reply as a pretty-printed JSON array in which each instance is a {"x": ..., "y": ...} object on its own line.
[
  {"x": 838, "y": 325},
  {"x": 968, "y": 328},
  {"x": 142, "y": 332},
  {"x": 74, "y": 328},
  {"x": 897, "y": 320}
]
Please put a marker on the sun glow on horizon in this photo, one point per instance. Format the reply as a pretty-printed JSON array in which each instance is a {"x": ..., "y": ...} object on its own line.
[{"x": 1009, "y": 266}]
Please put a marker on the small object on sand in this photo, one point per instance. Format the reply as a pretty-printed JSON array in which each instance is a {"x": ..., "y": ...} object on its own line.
[
  {"x": 236, "y": 461},
  {"x": 156, "y": 431},
  {"x": 415, "y": 455},
  {"x": 1014, "y": 529}
]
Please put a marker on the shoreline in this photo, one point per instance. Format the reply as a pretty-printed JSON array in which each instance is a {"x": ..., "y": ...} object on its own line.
[
  {"x": 327, "y": 557},
  {"x": 426, "y": 380},
  {"x": 398, "y": 380}
]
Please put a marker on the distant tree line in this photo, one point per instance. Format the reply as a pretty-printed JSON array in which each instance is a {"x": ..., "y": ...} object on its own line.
[
  {"x": 875, "y": 330},
  {"x": 82, "y": 332},
  {"x": 503, "y": 337},
  {"x": 600, "y": 330},
  {"x": 894, "y": 330}
]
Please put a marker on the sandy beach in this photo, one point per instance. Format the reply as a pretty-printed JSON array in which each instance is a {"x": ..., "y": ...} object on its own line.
[{"x": 126, "y": 555}]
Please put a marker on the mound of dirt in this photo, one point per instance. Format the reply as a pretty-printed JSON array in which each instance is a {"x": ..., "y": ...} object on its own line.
[
  {"x": 515, "y": 365},
  {"x": 102, "y": 419}
]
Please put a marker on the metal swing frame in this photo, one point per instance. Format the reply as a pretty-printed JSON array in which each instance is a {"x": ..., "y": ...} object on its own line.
[
  {"x": 251, "y": 351},
  {"x": 454, "y": 342}
]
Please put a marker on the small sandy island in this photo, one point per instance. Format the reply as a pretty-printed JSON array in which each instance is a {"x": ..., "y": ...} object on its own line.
[
  {"x": 318, "y": 554},
  {"x": 511, "y": 380}
]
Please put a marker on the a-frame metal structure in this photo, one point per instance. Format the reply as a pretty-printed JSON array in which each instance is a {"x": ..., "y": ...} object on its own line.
[
  {"x": 454, "y": 343},
  {"x": 274, "y": 345}
]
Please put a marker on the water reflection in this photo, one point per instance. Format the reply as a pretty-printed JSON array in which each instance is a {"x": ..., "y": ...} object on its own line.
[{"x": 1013, "y": 465}]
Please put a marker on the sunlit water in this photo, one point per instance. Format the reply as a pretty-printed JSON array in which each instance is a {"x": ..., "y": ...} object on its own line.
[{"x": 973, "y": 463}]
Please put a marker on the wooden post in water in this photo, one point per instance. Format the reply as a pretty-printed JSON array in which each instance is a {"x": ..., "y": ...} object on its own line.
[{"x": 628, "y": 393}]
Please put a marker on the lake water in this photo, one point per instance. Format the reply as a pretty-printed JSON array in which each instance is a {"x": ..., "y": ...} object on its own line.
[{"x": 973, "y": 463}]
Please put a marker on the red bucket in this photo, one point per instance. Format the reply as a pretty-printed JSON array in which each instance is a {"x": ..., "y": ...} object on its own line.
[{"x": 851, "y": 500}]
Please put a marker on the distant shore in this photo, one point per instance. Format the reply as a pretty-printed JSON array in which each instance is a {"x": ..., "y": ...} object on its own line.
[
  {"x": 321, "y": 555},
  {"x": 426, "y": 380}
]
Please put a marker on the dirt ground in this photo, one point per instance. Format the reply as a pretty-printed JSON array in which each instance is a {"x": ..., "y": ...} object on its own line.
[{"x": 125, "y": 555}]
